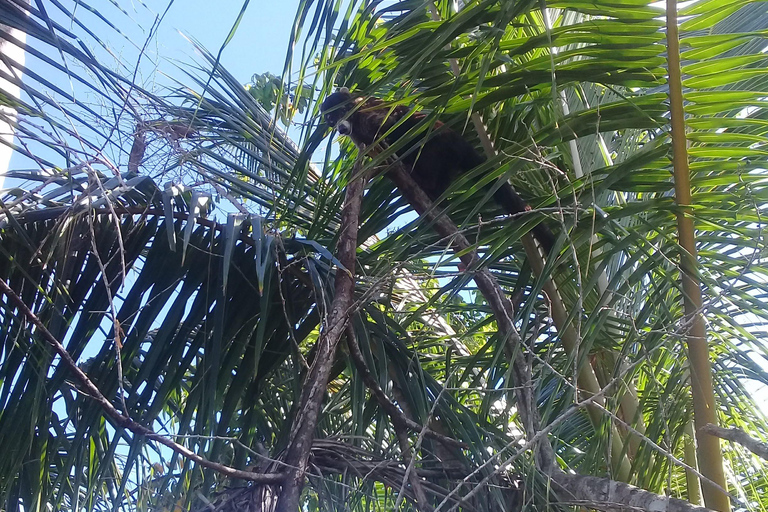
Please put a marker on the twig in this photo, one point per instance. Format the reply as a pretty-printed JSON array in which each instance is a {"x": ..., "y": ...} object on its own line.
[
  {"x": 411, "y": 476},
  {"x": 399, "y": 419},
  {"x": 737, "y": 435},
  {"x": 123, "y": 420},
  {"x": 118, "y": 336},
  {"x": 400, "y": 422}
]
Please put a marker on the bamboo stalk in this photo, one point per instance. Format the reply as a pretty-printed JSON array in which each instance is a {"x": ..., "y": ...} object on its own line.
[{"x": 704, "y": 406}]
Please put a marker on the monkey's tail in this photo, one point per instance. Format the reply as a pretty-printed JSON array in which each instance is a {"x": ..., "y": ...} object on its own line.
[{"x": 513, "y": 203}]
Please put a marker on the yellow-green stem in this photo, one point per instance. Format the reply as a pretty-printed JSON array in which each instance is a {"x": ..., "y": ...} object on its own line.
[
  {"x": 586, "y": 379},
  {"x": 704, "y": 407},
  {"x": 689, "y": 457}
]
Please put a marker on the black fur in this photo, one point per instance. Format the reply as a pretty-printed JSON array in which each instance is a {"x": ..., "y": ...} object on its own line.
[{"x": 433, "y": 163}]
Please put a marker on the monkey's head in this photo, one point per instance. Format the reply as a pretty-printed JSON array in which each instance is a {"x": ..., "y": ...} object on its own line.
[{"x": 336, "y": 110}]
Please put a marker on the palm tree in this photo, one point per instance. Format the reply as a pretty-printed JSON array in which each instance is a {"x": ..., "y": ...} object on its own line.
[{"x": 183, "y": 253}]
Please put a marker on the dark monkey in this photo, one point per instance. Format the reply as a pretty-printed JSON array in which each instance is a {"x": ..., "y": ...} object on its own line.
[{"x": 433, "y": 163}]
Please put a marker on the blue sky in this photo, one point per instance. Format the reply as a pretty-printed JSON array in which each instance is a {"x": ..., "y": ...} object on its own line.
[{"x": 259, "y": 44}]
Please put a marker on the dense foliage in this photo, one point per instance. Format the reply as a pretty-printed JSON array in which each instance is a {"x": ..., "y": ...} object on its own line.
[{"x": 182, "y": 234}]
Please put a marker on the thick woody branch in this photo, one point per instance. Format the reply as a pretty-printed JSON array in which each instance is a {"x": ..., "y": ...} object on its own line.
[
  {"x": 612, "y": 496},
  {"x": 88, "y": 387},
  {"x": 737, "y": 435},
  {"x": 500, "y": 304},
  {"x": 592, "y": 492},
  {"x": 316, "y": 382},
  {"x": 136, "y": 156}
]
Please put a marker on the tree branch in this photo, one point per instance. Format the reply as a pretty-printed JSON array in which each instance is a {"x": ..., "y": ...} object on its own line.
[
  {"x": 399, "y": 419},
  {"x": 124, "y": 421},
  {"x": 316, "y": 382},
  {"x": 594, "y": 492},
  {"x": 737, "y": 435},
  {"x": 500, "y": 304},
  {"x": 612, "y": 496}
]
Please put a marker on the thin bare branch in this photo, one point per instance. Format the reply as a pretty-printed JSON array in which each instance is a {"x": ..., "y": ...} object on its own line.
[
  {"x": 399, "y": 419},
  {"x": 737, "y": 435},
  {"x": 124, "y": 421}
]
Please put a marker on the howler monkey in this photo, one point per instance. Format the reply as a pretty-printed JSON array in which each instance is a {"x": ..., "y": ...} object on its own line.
[{"x": 433, "y": 163}]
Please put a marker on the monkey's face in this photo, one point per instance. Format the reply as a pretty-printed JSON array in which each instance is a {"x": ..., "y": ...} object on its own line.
[{"x": 336, "y": 111}]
